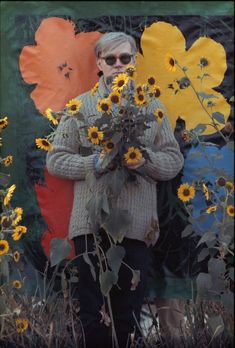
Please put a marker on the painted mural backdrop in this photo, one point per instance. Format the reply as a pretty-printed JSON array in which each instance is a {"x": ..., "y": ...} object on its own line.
[{"x": 191, "y": 58}]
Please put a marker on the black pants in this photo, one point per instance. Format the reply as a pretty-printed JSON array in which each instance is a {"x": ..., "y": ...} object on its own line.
[{"x": 124, "y": 301}]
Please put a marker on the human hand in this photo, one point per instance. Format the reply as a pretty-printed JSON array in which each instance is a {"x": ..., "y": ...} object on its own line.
[
  {"x": 98, "y": 162},
  {"x": 135, "y": 166}
]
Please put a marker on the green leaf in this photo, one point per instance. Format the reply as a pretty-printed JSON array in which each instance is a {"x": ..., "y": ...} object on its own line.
[
  {"x": 218, "y": 117},
  {"x": 187, "y": 231},
  {"x": 60, "y": 249},
  {"x": 204, "y": 283},
  {"x": 206, "y": 96},
  {"x": 117, "y": 223},
  {"x": 216, "y": 324},
  {"x": 200, "y": 128},
  {"x": 96, "y": 205},
  {"x": 92, "y": 268},
  {"x": 109, "y": 157},
  {"x": 4, "y": 268},
  {"x": 107, "y": 280},
  {"x": 208, "y": 236},
  {"x": 115, "y": 255},
  {"x": 228, "y": 301},
  {"x": 91, "y": 179},
  {"x": 116, "y": 180},
  {"x": 203, "y": 254}
]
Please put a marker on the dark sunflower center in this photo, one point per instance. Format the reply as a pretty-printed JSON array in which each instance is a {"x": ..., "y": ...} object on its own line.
[
  {"x": 2, "y": 247},
  {"x": 151, "y": 80},
  {"x": 21, "y": 326},
  {"x": 132, "y": 155},
  {"x": 121, "y": 83},
  {"x": 94, "y": 135},
  {"x": 104, "y": 107},
  {"x": 186, "y": 192},
  {"x": 114, "y": 99},
  {"x": 139, "y": 89},
  {"x": 157, "y": 92},
  {"x": 204, "y": 62},
  {"x": 160, "y": 114},
  {"x": 73, "y": 107},
  {"x": 45, "y": 143},
  {"x": 171, "y": 62},
  {"x": 231, "y": 210},
  {"x": 221, "y": 182},
  {"x": 6, "y": 222},
  {"x": 141, "y": 97},
  {"x": 110, "y": 145}
]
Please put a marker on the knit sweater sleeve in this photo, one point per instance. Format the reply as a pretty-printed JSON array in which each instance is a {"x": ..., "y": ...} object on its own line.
[
  {"x": 64, "y": 160},
  {"x": 166, "y": 158}
]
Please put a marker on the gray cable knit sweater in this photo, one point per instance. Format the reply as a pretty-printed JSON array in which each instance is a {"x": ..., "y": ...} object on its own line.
[{"x": 140, "y": 200}]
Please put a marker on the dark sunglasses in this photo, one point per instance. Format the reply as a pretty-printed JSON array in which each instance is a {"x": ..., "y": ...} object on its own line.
[{"x": 124, "y": 58}]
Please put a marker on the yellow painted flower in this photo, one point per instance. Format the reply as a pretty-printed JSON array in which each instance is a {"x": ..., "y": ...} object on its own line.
[
  {"x": 43, "y": 144},
  {"x": 186, "y": 192},
  {"x": 18, "y": 216},
  {"x": 185, "y": 103},
  {"x": 18, "y": 231},
  {"x": 120, "y": 81},
  {"x": 4, "y": 246},
  {"x": 151, "y": 80},
  {"x": 8, "y": 161},
  {"x": 140, "y": 99},
  {"x": 74, "y": 106},
  {"x": 9, "y": 194},
  {"x": 16, "y": 256},
  {"x": 104, "y": 105},
  {"x": 170, "y": 63},
  {"x": 3, "y": 122},
  {"x": 211, "y": 209},
  {"x": 108, "y": 145},
  {"x": 159, "y": 113},
  {"x": 94, "y": 89},
  {"x": 230, "y": 210},
  {"x": 131, "y": 71},
  {"x": 206, "y": 191},
  {"x": 50, "y": 117},
  {"x": 133, "y": 155},
  {"x": 115, "y": 98},
  {"x": 21, "y": 325},
  {"x": 94, "y": 135},
  {"x": 230, "y": 186},
  {"x": 17, "y": 284}
]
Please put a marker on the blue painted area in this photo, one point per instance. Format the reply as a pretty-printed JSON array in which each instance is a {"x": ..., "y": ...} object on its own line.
[{"x": 213, "y": 162}]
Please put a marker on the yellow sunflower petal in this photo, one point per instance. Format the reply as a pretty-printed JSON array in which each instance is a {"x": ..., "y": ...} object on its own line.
[{"x": 4, "y": 246}]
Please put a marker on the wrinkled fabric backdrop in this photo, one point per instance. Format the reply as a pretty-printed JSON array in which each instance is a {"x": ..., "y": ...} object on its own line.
[{"x": 46, "y": 60}]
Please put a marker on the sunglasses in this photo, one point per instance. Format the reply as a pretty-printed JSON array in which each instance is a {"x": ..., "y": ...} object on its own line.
[{"x": 124, "y": 58}]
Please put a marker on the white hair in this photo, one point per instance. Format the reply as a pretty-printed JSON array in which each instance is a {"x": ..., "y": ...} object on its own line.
[{"x": 112, "y": 40}]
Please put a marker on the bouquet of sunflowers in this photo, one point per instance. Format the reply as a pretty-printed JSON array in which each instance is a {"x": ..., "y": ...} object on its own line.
[{"x": 124, "y": 119}]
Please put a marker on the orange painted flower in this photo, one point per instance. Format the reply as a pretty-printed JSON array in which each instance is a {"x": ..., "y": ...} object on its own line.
[{"x": 58, "y": 63}]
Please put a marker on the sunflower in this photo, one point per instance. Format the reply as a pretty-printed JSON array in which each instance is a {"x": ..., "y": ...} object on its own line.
[
  {"x": 21, "y": 325},
  {"x": 50, "y": 117},
  {"x": 4, "y": 246},
  {"x": 229, "y": 185},
  {"x": 17, "y": 284},
  {"x": 230, "y": 210},
  {"x": 159, "y": 113},
  {"x": 18, "y": 231},
  {"x": 108, "y": 145},
  {"x": 43, "y": 144},
  {"x": 131, "y": 71},
  {"x": 94, "y": 89},
  {"x": 114, "y": 98},
  {"x": 211, "y": 209},
  {"x": 94, "y": 135},
  {"x": 18, "y": 213},
  {"x": 16, "y": 256},
  {"x": 3, "y": 122},
  {"x": 104, "y": 105},
  {"x": 140, "y": 99},
  {"x": 221, "y": 181},
  {"x": 6, "y": 221},
  {"x": 170, "y": 63},
  {"x": 186, "y": 192},
  {"x": 120, "y": 82},
  {"x": 73, "y": 106},
  {"x": 8, "y": 161},
  {"x": 205, "y": 190},
  {"x": 151, "y": 80},
  {"x": 156, "y": 91},
  {"x": 133, "y": 155},
  {"x": 8, "y": 196}
]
